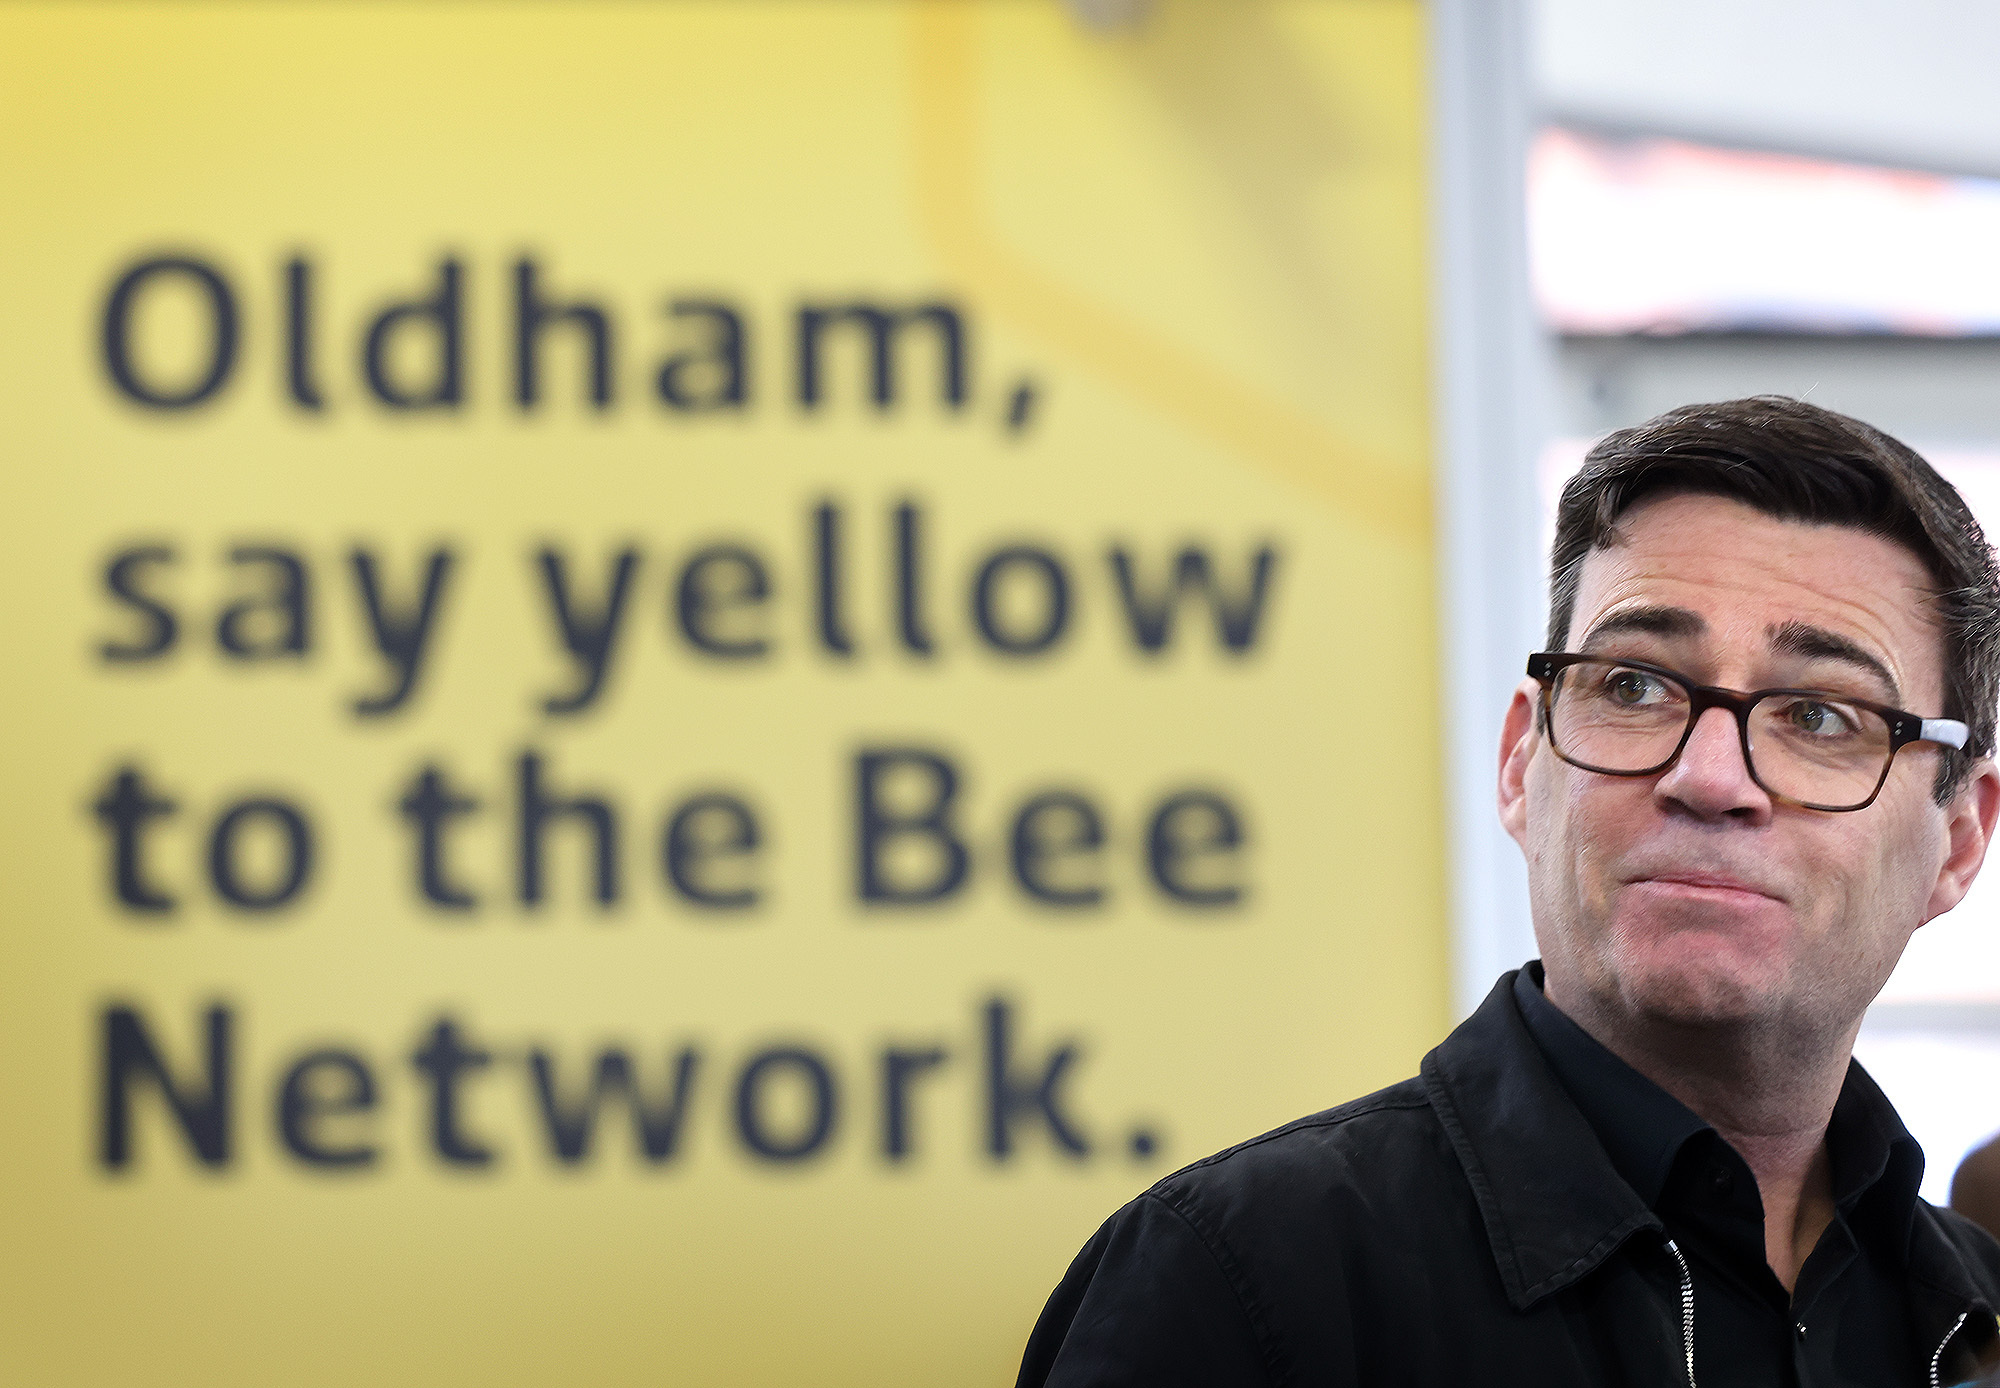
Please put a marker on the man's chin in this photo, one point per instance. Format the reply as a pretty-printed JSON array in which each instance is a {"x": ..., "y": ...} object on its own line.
[
  {"x": 1697, "y": 963},
  {"x": 1698, "y": 989}
]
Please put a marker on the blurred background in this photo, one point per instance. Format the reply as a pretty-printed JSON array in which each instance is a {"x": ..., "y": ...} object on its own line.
[{"x": 690, "y": 680}]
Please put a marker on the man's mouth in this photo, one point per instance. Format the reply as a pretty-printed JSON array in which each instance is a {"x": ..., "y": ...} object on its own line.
[{"x": 1719, "y": 884}]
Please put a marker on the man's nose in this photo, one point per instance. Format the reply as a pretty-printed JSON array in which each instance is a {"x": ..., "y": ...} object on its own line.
[{"x": 1712, "y": 777}]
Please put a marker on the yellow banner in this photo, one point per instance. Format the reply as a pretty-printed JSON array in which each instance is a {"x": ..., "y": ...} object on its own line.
[{"x": 687, "y": 681}]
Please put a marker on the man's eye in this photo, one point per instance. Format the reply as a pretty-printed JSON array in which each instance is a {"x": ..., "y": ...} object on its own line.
[
  {"x": 1633, "y": 687},
  {"x": 1816, "y": 718}
]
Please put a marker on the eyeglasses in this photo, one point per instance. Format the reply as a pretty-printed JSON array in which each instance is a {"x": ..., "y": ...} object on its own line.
[{"x": 1806, "y": 747}]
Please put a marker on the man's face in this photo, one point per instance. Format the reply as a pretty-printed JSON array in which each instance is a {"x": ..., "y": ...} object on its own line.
[{"x": 1691, "y": 896}]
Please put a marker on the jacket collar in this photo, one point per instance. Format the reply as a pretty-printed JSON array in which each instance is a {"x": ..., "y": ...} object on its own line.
[
  {"x": 1642, "y": 1128},
  {"x": 1553, "y": 1204}
]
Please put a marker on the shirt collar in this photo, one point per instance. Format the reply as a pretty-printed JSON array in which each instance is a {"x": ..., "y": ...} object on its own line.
[
  {"x": 1643, "y": 1128},
  {"x": 1877, "y": 1166}
]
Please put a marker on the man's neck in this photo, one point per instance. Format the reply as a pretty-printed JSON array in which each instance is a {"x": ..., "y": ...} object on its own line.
[{"x": 1769, "y": 1096}]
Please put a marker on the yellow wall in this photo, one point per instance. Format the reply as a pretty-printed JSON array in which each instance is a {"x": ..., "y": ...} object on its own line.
[{"x": 1187, "y": 266}]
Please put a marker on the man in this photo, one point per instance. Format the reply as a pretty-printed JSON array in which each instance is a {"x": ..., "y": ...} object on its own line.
[{"x": 1755, "y": 758}]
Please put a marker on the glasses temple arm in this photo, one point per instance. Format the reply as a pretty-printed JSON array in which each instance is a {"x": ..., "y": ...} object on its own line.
[{"x": 1948, "y": 731}]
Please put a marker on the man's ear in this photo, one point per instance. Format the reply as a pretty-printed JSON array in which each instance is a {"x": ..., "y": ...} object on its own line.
[
  {"x": 1969, "y": 828},
  {"x": 1518, "y": 737}
]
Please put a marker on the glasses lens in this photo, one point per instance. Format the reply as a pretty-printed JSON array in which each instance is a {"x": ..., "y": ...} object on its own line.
[
  {"x": 1611, "y": 717},
  {"x": 1817, "y": 749}
]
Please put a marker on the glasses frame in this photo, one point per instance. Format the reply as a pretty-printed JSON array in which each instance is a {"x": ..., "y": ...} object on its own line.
[{"x": 1904, "y": 727}]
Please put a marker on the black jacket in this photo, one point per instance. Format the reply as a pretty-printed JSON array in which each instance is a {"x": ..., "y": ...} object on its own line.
[{"x": 1461, "y": 1228}]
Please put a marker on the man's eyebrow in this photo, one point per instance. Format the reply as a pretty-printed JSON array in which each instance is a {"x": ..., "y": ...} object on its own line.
[
  {"x": 1648, "y": 621},
  {"x": 1817, "y": 643}
]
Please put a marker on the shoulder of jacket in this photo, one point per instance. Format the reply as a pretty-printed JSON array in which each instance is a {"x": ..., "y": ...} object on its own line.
[
  {"x": 1306, "y": 1146},
  {"x": 1979, "y": 1249}
]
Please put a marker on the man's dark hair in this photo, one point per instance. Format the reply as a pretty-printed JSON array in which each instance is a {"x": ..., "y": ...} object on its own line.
[{"x": 1798, "y": 462}]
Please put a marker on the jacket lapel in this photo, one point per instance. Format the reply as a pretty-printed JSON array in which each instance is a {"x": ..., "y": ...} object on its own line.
[{"x": 1553, "y": 1206}]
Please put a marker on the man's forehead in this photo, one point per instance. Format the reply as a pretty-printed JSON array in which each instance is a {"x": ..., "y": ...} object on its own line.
[{"x": 1707, "y": 571}]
